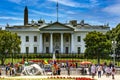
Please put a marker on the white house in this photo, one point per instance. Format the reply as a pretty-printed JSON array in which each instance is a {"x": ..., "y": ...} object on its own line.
[{"x": 54, "y": 37}]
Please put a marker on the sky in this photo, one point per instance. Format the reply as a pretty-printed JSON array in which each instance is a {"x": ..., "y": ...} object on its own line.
[{"x": 94, "y": 12}]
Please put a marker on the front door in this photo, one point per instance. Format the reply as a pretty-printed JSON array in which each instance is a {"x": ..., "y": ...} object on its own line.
[
  {"x": 56, "y": 51},
  {"x": 66, "y": 50}
]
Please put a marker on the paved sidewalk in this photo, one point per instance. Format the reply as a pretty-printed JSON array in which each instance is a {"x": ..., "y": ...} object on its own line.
[{"x": 117, "y": 77}]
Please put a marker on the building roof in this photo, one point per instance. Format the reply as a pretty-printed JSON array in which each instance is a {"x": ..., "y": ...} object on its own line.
[{"x": 72, "y": 25}]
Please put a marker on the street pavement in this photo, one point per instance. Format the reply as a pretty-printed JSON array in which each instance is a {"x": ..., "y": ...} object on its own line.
[
  {"x": 64, "y": 74},
  {"x": 117, "y": 77}
]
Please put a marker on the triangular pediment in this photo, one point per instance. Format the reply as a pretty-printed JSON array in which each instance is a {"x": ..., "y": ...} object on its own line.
[{"x": 56, "y": 27}]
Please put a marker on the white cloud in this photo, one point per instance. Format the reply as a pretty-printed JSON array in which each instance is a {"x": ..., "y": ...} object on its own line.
[
  {"x": 42, "y": 13},
  {"x": 31, "y": 2},
  {"x": 94, "y": 1},
  {"x": 93, "y": 22},
  {"x": 10, "y": 18},
  {"x": 25, "y": 2},
  {"x": 15, "y": 1},
  {"x": 16, "y": 23},
  {"x": 113, "y": 9},
  {"x": 76, "y": 4},
  {"x": 46, "y": 14},
  {"x": 67, "y": 3},
  {"x": 70, "y": 12}
]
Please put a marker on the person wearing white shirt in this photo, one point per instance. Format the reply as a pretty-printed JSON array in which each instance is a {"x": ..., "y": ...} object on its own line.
[
  {"x": 108, "y": 71},
  {"x": 99, "y": 69},
  {"x": 93, "y": 70}
]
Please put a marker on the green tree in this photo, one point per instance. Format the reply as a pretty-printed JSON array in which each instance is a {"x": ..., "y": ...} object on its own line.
[
  {"x": 114, "y": 34},
  {"x": 9, "y": 44},
  {"x": 97, "y": 45}
]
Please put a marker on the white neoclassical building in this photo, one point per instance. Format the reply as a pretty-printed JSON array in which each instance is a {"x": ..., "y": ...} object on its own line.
[{"x": 41, "y": 37}]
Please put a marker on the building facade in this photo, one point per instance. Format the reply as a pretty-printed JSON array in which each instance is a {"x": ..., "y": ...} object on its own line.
[{"x": 42, "y": 37}]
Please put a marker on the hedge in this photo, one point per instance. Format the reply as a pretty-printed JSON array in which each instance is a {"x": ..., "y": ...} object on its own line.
[{"x": 45, "y": 55}]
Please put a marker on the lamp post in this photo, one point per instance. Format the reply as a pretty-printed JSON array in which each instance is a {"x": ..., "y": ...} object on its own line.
[
  {"x": 114, "y": 47},
  {"x": 98, "y": 55}
]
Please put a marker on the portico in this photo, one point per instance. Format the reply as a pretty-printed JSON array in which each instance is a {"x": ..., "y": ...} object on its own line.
[
  {"x": 56, "y": 42},
  {"x": 56, "y": 38}
]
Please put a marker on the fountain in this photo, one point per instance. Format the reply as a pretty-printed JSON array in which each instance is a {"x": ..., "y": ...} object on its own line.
[{"x": 33, "y": 69}]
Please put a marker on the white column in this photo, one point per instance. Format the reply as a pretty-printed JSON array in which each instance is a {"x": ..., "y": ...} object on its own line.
[
  {"x": 51, "y": 42},
  {"x": 72, "y": 43},
  {"x": 61, "y": 42},
  {"x": 41, "y": 43}
]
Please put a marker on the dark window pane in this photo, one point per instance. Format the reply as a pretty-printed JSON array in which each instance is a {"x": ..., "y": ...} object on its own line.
[
  {"x": 79, "y": 50},
  {"x": 27, "y": 49},
  {"x": 79, "y": 38},
  {"x": 27, "y": 38},
  {"x": 35, "y": 49},
  {"x": 35, "y": 38}
]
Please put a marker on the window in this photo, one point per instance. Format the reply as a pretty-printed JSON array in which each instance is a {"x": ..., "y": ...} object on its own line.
[
  {"x": 47, "y": 49},
  {"x": 67, "y": 39},
  {"x": 79, "y": 50},
  {"x": 27, "y": 49},
  {"x": 35, "y": 49},
  {"x": 66, "y": 50},
  {"x": 79, "y": 38},
  {"x": 47, "y": 39},
  {"x": 35, "y": 38},
  {"x": 27, "y": 38}
]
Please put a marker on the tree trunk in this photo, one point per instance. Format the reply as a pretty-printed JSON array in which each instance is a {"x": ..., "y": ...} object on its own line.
[
  {"x": 98, "y": 59},
  {"x": 2, "y": 61}
]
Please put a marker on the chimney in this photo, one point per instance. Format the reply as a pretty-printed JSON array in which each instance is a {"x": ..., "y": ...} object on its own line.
[{"x": 73, "y": 22}]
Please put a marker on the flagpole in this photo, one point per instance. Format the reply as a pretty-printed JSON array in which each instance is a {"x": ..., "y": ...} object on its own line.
[{"x": 57, "y": 10}]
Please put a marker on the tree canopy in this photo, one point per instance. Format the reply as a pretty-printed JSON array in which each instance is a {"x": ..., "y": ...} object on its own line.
[
  {"x": 9, "y": 43},
  {"x": 114, "y": 34},
  {"x": 97, "y": 45}
]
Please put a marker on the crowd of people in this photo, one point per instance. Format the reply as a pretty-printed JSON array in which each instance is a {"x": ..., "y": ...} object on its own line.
[
  {"x": 92, "y": 69},
  {"x": 103, "y": 70}
]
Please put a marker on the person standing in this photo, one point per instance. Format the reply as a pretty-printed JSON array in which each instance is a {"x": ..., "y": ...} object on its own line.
[
  {"x": 113, "y": 72},
  {"x": 108, "y": 71},
  {"x": 59, "y": 70},
  {"x": 68, "y": 70},
  {"x": 99, "y": 69},
  {"x": 0, "y": 71},
  {"x": 93, "y": 70}
]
